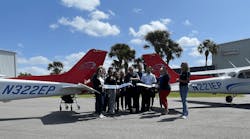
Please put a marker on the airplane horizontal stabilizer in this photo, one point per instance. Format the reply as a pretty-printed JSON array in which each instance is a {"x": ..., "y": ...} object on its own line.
[{"x": 81, "y": 88}]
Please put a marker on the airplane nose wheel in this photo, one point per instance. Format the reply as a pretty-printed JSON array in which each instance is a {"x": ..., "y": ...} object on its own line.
[{"x": 229, "y": 99}]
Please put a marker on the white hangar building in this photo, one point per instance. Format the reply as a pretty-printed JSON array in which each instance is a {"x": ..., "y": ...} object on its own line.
[
  {"x": 235, "y": 53},
  {"x": 7, "y": 63}
]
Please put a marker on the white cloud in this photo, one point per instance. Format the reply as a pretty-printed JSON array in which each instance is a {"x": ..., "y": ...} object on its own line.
[
  {"x": 165, "y": 21},
  {"x": 91, "y": 27},
  {"x": 137, "y": 10},
  {"x": 53, "y": 26},
  {"x": 21, "y": 60},
  {"x": 193, "y": 33},
  {"x": 146, "y": 28},
  {"x": 97, "y": 15},
  {"x": 70, "y": 60},
  {"x": 202, "y": 61},
  {"x": 37, "y": 60},
  {"x": 27, "y": 65},
  {"x": 152, "y": 26},
  {"x": 173, "y": 66},
  {"x": 137, "y": 41},
  {"x": 88, "y": 5},
  {"x": 111, "y": 12},
  {"x": 107, "y": 62},
  {"x": 187, "y": 41},
  {"x": 194, "y": 52},
  {"x": 33, "y": 70},
  {"x": 187, "y": 23}
]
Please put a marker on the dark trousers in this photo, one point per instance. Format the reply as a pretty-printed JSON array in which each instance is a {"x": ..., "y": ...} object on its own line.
[
  {"x": 105, "y": 101},
  {"x": 128, "y": 97},
  {"x": 146, "y": 95},
  {"x": 132, "y": 94},
  {"x": 136, "y": 97},
  {"x": 99, "y": 103}
]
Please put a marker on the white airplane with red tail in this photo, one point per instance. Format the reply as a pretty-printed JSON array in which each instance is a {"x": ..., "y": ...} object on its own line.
[{"x": 65, "y": 84}]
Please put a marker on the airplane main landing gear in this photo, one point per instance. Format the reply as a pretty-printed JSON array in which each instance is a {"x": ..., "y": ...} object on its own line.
[
  {"x": 68, "y": 100},
  {"x": 229, "y": 99}
]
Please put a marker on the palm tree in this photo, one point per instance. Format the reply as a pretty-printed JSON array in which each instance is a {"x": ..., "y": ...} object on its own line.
[
  {"x": 22, "y": 74},
  {"x": 207, "y": 47},
  {"x": 124, "y": 55},
  {"x": 173, "y": 50},
  {"x": 163, "y": 45},
  {"x": 56, "y": 67},
  {"x": 138, "y": 61}
]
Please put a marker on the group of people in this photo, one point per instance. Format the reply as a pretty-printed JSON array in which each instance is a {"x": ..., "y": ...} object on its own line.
[{"x": 107, "y": 101}]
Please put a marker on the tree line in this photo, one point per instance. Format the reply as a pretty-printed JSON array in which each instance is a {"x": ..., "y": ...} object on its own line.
[{"x": 160, "y": 40}]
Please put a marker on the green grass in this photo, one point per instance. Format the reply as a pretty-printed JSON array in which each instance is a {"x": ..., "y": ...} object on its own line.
[
  {"x": 175, "y": 95},
  {"x": 191, "y": 94},
  {"x": 172, "y": 95},
  {"x": 80, "y": 96},
  {"x": 86, "y": 96}
]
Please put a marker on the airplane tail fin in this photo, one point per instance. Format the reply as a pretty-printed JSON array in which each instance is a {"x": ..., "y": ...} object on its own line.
[
  {"x": 156, "y": 62},
  {"x": 79, "y": 73},
  {"x": 86, "y": 67}
]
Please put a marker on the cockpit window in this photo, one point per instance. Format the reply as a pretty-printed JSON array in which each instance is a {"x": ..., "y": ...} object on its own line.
[
  {"x": 232, "y": 74},
  {"x": 241, "y": 75},
  {"x": 247, "y": 74},
  {"x": 244, "y": 75}
]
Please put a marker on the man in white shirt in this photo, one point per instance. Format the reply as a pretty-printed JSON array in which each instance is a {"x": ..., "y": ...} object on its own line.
[{"x": 148, "y": 78}]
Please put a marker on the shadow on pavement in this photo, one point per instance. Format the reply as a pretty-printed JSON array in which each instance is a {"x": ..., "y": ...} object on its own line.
[
  {"x": 156, "y": 112},
  {"x": 218, "y": 105},
  {"x": 58, "y": 117},
  {"x": 18, "y": 118},
  {"x": 171, "y": 119},
  {"x": 62, "y": 117}
]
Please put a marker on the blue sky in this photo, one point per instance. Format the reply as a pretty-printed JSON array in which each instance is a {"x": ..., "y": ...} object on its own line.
[{"x": 64, "y": 30}]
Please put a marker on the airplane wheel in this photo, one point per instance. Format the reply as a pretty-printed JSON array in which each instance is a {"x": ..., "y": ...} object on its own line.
[
  {"x": 71, "y": 108},
  {"x": 229, "y": 99},
  {"x": 60, "y": 108},
  {"x": 67, "y": 107},
  {"x": 78, "y": 107}
]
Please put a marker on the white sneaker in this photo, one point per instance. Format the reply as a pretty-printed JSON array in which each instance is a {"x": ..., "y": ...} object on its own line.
[
  {"x": 101, "y": 116},
  {"x": 184, "y": 117}
]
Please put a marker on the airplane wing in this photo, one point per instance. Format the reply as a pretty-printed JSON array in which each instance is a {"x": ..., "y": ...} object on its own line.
[
  {"x": 175, "y": 87},
  {"x": 220, "y": 71},
  {"x": 80, "y": 87}
]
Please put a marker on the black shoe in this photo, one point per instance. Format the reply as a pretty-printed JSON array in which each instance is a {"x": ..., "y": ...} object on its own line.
[{"x": 131, "y": 111}]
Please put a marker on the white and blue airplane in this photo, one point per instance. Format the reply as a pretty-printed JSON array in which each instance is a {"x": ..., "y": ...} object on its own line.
[{"x": 233, "y": 81}]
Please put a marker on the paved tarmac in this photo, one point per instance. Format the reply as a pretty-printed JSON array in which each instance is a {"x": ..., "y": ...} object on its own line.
[{"x": 209, "y": 118}]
